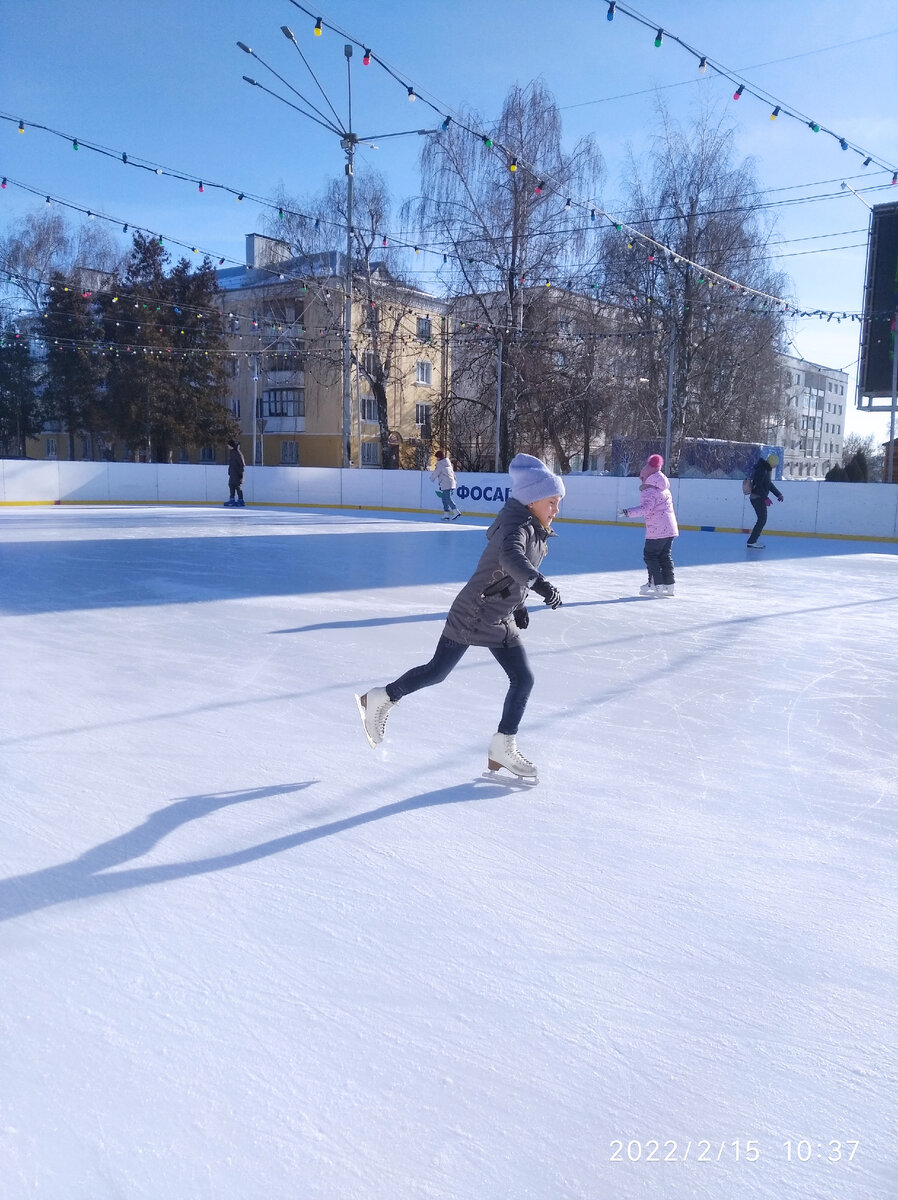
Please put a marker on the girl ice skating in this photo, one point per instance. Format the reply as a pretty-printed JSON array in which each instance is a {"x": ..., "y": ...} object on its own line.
[
  {"x": 657, "y": 510},
  {"x": 444, "y": 477},
  {"x": 490, "y": 611}
]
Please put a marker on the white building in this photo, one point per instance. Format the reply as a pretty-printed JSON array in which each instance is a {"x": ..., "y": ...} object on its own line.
[{"x": 813, "y": 431}]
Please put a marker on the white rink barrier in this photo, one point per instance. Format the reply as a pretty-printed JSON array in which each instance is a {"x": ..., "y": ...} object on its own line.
[{"x": 866, "y": 511}]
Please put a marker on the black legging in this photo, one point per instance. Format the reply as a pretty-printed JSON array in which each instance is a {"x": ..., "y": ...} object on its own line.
[
  {"x": 512, "y": 659},
  {"x": 759, "y": 504},
  {"x": 658, "y": 560},
  {"x": 235, "y": 488}
]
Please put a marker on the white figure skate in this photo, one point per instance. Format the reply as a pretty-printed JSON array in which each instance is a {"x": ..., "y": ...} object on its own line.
[
  {"x": 374, "y": 708},
  {"x": 504, "y": 752}
]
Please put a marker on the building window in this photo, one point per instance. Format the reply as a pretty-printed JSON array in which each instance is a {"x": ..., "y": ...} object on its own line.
[
  {"x": 369, "y": 363},
  {"x": 422, "y": 414},
  {"x": 422, "y": 372},
  {"x": 184, "y": 455},
  {"x": 207, "y": 454},
  {"x": 424, "y": 330},
  {"x": 51, "y": 448},
  {"x": 369, "y": 408},
  {"x": 289, "y": 454},
  {"x": 370, "y": 454},
  {"x": 283, "y": 402},
  {"x": 85, "y": 449}
]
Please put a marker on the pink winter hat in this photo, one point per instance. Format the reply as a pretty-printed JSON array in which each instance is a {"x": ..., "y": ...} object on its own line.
[{"x": 654, "y": 462}]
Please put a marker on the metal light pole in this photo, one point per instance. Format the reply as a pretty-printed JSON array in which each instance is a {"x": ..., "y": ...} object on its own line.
[
  {"x": 348, "y": 141},
  {"x": 498, "y": 400},
  {"x": 670, "y": 382},
  {"x": 348, "y": 144}
]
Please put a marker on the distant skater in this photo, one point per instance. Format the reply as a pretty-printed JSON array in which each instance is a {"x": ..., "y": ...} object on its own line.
[
  {"x": 236, "y": 468},
  {"x": 657, "y": 510},
  {"x": 490, "y": 611},
  {"x": 443, "y": 476},
  {"x": 761, "y": 486}
]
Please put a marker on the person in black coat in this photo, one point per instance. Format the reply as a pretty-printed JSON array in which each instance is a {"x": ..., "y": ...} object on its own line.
[
  {"x": 761, "y": 486},
  {"x": 236, "y": 468}
]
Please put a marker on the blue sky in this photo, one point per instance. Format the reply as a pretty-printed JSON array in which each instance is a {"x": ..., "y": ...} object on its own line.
[{"x": 163, "y": 83}]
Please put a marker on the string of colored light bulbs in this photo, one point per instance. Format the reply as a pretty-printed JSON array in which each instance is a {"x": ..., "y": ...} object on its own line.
[
  {"x": 478, "y": 333},
  {"x": 438, "y": 249},
  {"x": 513, "y": 161},
  {"x": 780, "y": 107},
  {"x": 323, "y": 293},
  {"x": 705, "y": 275},
  {"x": 332, "y": 357},
  {"x": 265, "y": 202}
]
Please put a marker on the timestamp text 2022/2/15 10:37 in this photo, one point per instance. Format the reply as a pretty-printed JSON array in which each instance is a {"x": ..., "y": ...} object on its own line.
[{"x": 800, "y": 1150}]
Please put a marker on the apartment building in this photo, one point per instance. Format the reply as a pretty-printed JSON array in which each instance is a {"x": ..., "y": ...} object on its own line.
[
  {"x": 284, "y": 321},
  {"x": 812, "y": 432}
]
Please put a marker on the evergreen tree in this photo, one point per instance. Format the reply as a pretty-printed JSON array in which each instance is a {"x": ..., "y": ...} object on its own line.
[
  {"x": 20, "y": 411},
  {"x": 74, "y": 367},
  {"x": 855, "y": 468},
  {"x": 167, "y": 381}
]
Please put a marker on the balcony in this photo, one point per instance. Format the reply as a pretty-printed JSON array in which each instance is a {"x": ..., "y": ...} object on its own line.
[{"x": 284, "y": 425}]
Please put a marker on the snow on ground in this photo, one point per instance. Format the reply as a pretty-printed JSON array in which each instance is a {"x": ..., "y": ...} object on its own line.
[{"x": 244, "y": 956}]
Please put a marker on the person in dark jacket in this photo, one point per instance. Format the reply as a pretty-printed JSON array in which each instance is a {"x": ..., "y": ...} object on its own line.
[
  {"x": 761, "y": 486},
  {"x": 490, "y": 611},
  {"x": 236, "y": 468}
]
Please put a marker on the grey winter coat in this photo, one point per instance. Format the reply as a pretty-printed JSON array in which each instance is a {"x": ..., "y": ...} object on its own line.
[{"x": 481, "y": 613}]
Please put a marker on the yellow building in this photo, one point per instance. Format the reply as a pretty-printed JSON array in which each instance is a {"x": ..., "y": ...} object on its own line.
[
  {"x": 290, "y": 392},
  {"x": 296, "y": 404}
]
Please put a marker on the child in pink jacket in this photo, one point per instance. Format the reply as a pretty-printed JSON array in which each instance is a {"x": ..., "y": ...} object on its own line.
[{"x": 657, "y": 510}]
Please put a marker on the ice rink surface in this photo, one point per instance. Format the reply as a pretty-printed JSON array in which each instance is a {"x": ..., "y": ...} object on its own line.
[{"x": 244, "y": 956}]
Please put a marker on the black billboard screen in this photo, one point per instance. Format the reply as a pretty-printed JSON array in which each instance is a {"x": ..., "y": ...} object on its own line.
[{"x": 880, "y": 302}]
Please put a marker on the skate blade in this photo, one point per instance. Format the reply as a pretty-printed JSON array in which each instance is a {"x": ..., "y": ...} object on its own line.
[
  {"x": 511, "y": 780},
  {"x": 361, "y": 708}
]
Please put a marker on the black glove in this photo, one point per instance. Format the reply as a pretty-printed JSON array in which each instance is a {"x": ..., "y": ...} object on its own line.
[
  {"x": 550, "y": 594},
  {"x": 521, "y": 617}
]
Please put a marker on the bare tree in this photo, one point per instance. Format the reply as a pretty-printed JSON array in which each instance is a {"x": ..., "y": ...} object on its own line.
[
  {"x": 502, "y": 207},
  {"x": 45, "y": 244},
  {"x": 698, "y": 203}
]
